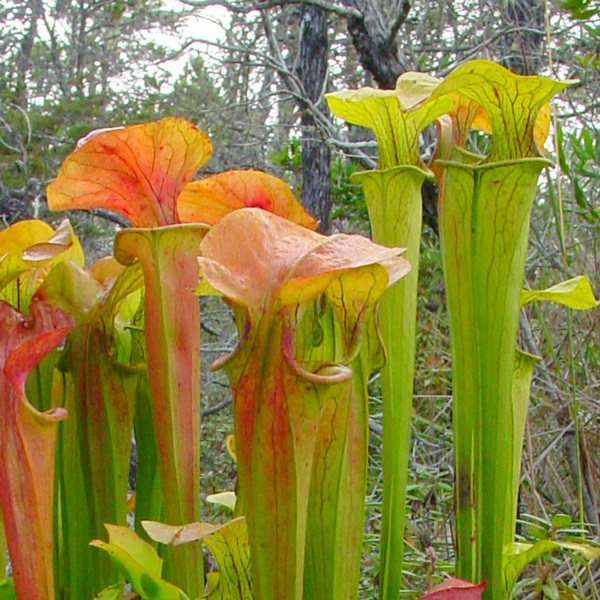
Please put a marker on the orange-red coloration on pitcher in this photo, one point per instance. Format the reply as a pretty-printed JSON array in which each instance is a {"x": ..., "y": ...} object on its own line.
[{"x": 27, "y": 441}]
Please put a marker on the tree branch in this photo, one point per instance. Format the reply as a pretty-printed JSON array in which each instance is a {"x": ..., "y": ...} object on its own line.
[
  {"x": 400, "y": 20},
  {"x": 115, "y": 218},
  {"x": 246, "y": 7},
  {"x": 371, "y": 40},
  {"x": 211, "y": 410}
]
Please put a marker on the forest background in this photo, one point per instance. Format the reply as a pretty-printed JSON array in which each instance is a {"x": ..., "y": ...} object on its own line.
[{"x": 253, "y": 74}]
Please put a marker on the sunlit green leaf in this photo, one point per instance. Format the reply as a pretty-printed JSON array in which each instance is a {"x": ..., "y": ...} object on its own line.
[
  {"x": 7, "y": 590},
  {"x": 139, "y": 563},
  {"x": 561, "y": 521},
  {"x": 518, "y": 555},
  {"x": 575, "y": 293},
  {"x": 226, "y": 499}
]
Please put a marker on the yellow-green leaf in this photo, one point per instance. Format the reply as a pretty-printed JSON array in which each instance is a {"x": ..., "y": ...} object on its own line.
[
  {"x": 511, "y": 102},
  {"x": 387, "y": 114},
  {"x": 588, "y": 551},
  {"x": 139, "y": 563},
  {"x": 226, "y": 499},
  {"x": 229, "y": 546},
  {"x": 28, "y": 250},
  {"x": 518, "y": 555},
  {"x": 574, "y": 293}
]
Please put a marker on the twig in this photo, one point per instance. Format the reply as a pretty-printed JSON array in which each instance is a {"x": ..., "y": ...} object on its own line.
[
  {"x": 400, "y": 20},
  {"x": 245, "y": 8},
  {"x": 211, "y": 410},
  {"x": 115, "y": 218},
  {"x": 375, "y": 427}
]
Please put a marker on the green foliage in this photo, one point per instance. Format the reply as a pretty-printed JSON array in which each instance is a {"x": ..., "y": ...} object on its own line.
[
  {"x": 582, "y": 9},
  {"x": 579, "y": 157},
  {"x": 548, "y": 537},
  {"x": 7, "y": 590},
  {"x": 290, "y": 157},
  {"x": 347, "y": 197},
  {"x": 140, "y": 564}
]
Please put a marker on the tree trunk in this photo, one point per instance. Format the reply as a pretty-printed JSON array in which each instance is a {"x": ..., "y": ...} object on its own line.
[
  {"x": 374, "y": 44},
  {"x": 312, "y": 70},
  {"x": 24, "y": 56}
]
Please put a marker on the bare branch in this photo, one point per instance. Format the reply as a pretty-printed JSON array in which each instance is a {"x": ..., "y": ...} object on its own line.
[
  {"x": 113, "y": 217},
  {"x": 246, "y": 7},
  {"x": 211, "y": 410},
  {"x": 26, "y": 117},
  {"x": 400, "y": 20}
]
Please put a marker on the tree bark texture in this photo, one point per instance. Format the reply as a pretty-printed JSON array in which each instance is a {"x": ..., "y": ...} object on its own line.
[
  {"x": 377, "y": 51},
  {"x": 312, "y": 71}
]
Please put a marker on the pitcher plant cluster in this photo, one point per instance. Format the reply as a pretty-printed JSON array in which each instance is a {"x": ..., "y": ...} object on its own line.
[{"x": 90, "y": 355}]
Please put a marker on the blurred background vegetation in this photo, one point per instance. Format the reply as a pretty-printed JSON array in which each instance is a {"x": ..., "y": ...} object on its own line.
[{"x": 252, "y": 73}]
